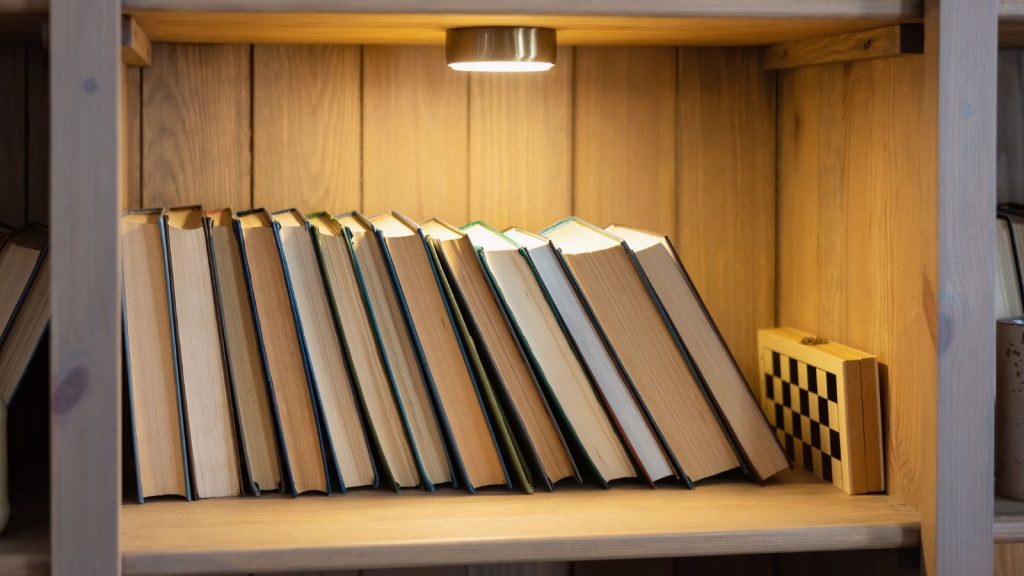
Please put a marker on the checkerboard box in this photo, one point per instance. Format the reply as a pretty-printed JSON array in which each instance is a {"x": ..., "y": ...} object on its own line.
[{"x": 823, "y": 400}]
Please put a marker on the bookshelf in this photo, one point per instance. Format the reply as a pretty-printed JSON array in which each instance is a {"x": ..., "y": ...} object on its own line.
[{"x": 864, "y": 195}]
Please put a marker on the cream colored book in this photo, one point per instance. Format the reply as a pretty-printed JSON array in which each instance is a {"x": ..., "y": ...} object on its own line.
[
  {"x": 26, "y": 331},
  {"x": 302, "y": 451},
  {"x": 446, "y": 367},
  {"x": 346, "y": 436},
  {"x": 386, "y": 422},
  {"x": 399, "y": 351},
  {"x": 710, "y": 355},
  {"x": 631, "y": 319},
  {"x": 1008, "y": 296},
  {"x": 258, "y": 436},
  {"x": 209, "y": 419},
  {"x": 546, "y": 343},
  {"x": 154, "y": 396},
  {"x": 20, "y": 256},
  {"x": 628, "y": 413}
]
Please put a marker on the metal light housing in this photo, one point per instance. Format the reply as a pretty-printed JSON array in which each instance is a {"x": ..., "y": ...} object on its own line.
[{"x": 500, "y": 49}]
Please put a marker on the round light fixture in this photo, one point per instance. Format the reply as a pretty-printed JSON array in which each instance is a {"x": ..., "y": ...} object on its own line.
[{"x": 500, "y": 49}]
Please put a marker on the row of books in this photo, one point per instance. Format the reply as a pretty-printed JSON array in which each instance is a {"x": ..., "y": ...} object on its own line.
[
  {"x": 276, "y": 351},
  {"x": 1009, "y": 260},
  {"x": 24, "y": 301}
]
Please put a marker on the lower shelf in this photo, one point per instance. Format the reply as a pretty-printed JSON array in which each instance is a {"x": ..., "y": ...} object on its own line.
[
  {"x": 1009, "y": 521},
  {"x": 369, "y": 529},
  {"x": 25, "y": 541}
]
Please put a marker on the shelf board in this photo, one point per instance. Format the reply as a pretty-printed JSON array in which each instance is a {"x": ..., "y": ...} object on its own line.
[
  {"x": 1009, "y": 521},
  {"x": 25, "y": 541},
  {"x": 376, "y": 528}
]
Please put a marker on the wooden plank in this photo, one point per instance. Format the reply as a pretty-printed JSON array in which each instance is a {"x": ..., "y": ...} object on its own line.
[
  {"x": 372, "y": 529},
  {"x": 960, "y": 103},
  {"x": 85, "y": 330},
  {"x": 1009, "y": 521},
  {"x": 37, "y": 128},
  {"x": 856, "y": 232},
  {"x": 306, "y": 127},
  {"x": 1008, "y": 559},
  {"x": 895, "y": 40},
  {"x": 1010, "y": 131},
  {"x": 625, "y": 128},
  {"x": 12, "y": 134},
  {"x": 415, "y": 134},
  {"x": 726, "y": 110},
  {"x": 136, "y": 49},
  {"x": 322, "y": 24},
  {"x": 520, "y": 146},
  {"x": 196, "y": 127},
  {"x": 131, "y": 82}
]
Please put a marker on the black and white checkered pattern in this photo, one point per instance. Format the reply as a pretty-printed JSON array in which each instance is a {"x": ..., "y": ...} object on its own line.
[{"x": 802, "y": 403}]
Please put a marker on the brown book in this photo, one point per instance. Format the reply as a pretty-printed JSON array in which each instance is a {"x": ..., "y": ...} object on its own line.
[
  {"x": 711, "y": 357},
  {"x": 26, "y": 331},
  {"x": 258, "y": 438},
  {"x": 628, "y": 413},
  {"x": 1008, "y": 292},
  {"x": 552, "y": 355},
  {"x": 445, "y": 365},
  {"x": 398, "y": 351},
  {"x": 525, "y": 404},
  {"x": 20, "y": 257},
  {"x": 152, "y": 365},
  {"x": 632, "y": 320},
  {"x": 291, "y": 395},
  {"x": 338, "y": 399},
  {"x": 209, "y": 422},
  {"x": 386, "y": 422}
]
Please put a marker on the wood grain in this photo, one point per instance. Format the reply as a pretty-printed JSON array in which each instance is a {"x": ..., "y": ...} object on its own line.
[
  {"x": 136, "y": 49},
  {"x": 855, "y": 242},
  {"x": 85, "y": 330},
  {"x": 375, "y": 529},
  {"x": 1008, "y": 559},
  {"x": 625, "y": 137},
  {"x": 415, "y": 139},
  {"x": 520, "y": 146},
  {"x": 727, "y": 114},
  {"x": 131, "y": 126},
  {"x": 1010, "y": 131},
  {"x": 196, "y": 127},
  {"x": 12, "y": 134},
  {"x": 886, "y": 41},
  {"x": 37, "y": 132},
  {"x": 306, "y": 128}
]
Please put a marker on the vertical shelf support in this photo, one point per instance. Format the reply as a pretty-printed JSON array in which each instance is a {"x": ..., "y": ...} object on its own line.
[
  {"x": 85, "y": 331},
  {"x": 956, "y": 491}
]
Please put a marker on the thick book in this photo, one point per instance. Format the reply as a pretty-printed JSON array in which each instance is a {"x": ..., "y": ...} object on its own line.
[
  {"x": 525, "y": 406},
  {"x": 637, "y": 328},
  {"x": 209, "y": 419},
  {"x": 292, "y": 397},
  {"x": 711, "y": 357},
  {"x": 20, "y": 257},
  {"x": 554, "y": 359},
  {"x": 386, "y": 421},
  {"x": 338, "y": 399},
  {"x": 1007, "y": 285},
  {"x": 26, "y": 332},
  {"x": 625, "y": 408},
  {"x": 448, "y": 373},
  {"x": 151, "y": 358},
  {"x": 398, "y": 351},
  {"x": 257, "y": 432}
]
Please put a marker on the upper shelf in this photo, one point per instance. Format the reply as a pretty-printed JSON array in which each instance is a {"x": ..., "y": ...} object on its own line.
[
  {"x": 1009, "y": 521},
  {"x": 366, "y": 529}
]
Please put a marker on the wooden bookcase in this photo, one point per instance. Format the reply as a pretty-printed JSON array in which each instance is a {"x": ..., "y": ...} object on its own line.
[{"x": 852, "y": 199}]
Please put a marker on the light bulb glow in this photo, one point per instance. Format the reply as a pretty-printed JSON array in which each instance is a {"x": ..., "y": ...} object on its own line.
[{"x": 501, "y": 66}]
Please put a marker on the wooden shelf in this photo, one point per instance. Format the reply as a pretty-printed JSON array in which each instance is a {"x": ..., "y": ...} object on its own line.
[
  {"x": 25, "y": 541},
  {"x": 1009, "y": 521},
  {"x": 366, "y": 529}
]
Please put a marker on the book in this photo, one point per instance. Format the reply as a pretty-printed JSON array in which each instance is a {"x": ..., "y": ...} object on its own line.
[
  {"x": 26, "y": 332},
  {"x": 398, "y": 351},
  {"x": 1008, "y": 291},
  {"x": 337, "y": 397},
  {"x": 304, "y": 459},
  {"x": 632, "y": 320},
  {"x": 209, "y": 420},
  {"x": 385, "y": 418},
  {"x": 151, "y": 358},
  {"x": 20, "y": 257},
  {"x": 554, "y": 359},
  {"x": 461, "y": 408},
  {"x": 257, "y": 433},
  {"x": 525, "y": 405},
  {"x": 823, "y": 400},
  {"x": 711, "y": 357},
  {"x": 626, "y": 410}
]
